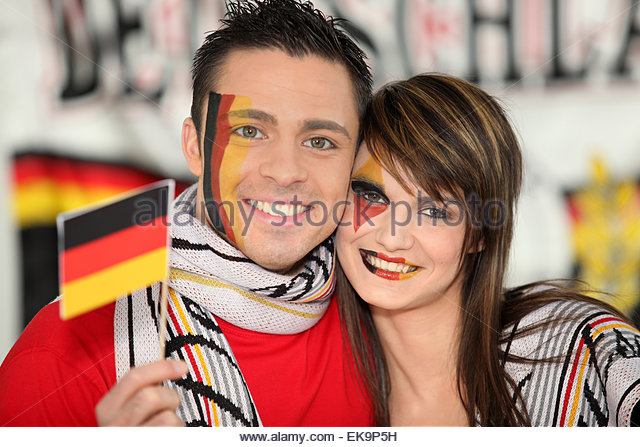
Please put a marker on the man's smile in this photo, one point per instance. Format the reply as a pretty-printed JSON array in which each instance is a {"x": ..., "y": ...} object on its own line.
[{"x": 279, "y": 208}]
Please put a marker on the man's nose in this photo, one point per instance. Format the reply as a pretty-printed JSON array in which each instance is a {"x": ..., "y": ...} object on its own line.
[{"x": 284, "y": 164}]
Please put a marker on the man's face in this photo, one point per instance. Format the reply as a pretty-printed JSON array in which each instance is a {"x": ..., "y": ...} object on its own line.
[{"x": 285, "y": 138}]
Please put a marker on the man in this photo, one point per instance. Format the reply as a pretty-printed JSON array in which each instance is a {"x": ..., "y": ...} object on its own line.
[{"x": 253, "y": 332}]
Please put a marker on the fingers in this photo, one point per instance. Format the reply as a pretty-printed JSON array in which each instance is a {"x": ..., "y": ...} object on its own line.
[
  {"x": 147, "y": 404},
  {"x": 139, "y": 396},
  {"x": 165, "y": 419}
]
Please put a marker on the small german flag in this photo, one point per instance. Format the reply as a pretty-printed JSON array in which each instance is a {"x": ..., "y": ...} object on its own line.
[{"x": 111, "y": 250}]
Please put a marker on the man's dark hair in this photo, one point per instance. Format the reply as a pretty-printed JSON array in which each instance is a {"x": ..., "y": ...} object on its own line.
[{"x": 296, "y": 28}]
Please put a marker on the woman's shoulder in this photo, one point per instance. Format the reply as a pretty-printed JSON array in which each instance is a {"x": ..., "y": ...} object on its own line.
[
  {"x": 571, "y": 324},
  {"x": 570, "y": 314},
  {"x": 582, "y": 354}
]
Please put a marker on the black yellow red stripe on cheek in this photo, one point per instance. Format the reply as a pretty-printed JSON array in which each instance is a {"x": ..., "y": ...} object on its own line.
[
  {"x": 393, "y": 276},
  {"x": 217, "y": 165},
  {"x": 364, "y": 210}
]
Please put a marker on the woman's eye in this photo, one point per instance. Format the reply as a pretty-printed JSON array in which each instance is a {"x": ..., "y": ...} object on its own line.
[
  {"x": 319, "y": 143},
  {"x": 435, "y": 212},
  {"x": 368, "y": 192},
  {"x": 249, "y": 132},
  {"x": 373, "y": 197}
]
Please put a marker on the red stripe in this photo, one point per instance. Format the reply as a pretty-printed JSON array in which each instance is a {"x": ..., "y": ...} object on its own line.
[
  {"x": 364, "y": 211},
  {"x": 207, "y": 405},
  {"x": 87, "y": 174},
  {"x": 113, "y": 249},
  {"x": 389, "y": 258},
  {"x": 219, "y": 149},
  {"x": 172, "y": 315},
  {"x": 387, "y": 275},
  {"x": 574, "y": 211},
  {"x": 571, "y": 378},
  {"x": 604, "y": 320},
  {"x": 188, "y": 348},
  {"x": 74, "y": 171}
]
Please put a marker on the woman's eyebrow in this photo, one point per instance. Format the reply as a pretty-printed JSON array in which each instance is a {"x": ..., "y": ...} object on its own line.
[{"x": 424, "y": 200}]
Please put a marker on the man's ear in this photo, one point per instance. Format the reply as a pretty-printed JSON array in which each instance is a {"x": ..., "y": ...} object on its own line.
[{"x": 190, "y": 147}]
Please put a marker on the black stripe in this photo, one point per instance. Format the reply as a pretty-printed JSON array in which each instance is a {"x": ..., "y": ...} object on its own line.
[
  {"x": 508, "y": 347},
  {"x": 182, "y": 244},
  {"x": 115, "y": 217},
  {"x": 209, "y": 138},
  {"x": 636, "y": 411},
  {"x": 196, "y": 311},
  {"x": 195, "y": 399},
  {"x": 594, "y": 405},
  {"x": 565, "y": 367},
  {"x": 177, "y": 342},
  {"x": 223, "y": 402},
  {"x": 634, "y": 421},
  {"x": 132, "y": 359}
]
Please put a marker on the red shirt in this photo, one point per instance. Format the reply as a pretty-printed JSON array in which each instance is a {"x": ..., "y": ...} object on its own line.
[{"x": 57, "y": 372}]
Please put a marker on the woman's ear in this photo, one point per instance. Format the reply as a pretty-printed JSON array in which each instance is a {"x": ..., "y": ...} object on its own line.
[
  {"x": 190, "y": 147},
  {"x": 478, "y": 245}
]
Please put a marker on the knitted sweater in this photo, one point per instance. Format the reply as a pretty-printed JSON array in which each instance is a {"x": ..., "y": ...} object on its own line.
[{"x": 595, "y": 381}]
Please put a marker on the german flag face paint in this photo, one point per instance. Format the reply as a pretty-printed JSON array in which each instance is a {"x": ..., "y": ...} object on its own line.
[
  {"x": 368, "y": 188},
  {"x": 387, "y": 267},
  {"x": 224, "y": 156}
]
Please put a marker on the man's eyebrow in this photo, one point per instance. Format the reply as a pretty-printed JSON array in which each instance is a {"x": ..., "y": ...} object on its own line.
[
  {"x": 325, "y": 125},
  {"x": 253, "y": 114}
]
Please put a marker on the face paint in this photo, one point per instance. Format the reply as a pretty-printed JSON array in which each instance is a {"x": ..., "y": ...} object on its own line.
[
  {"x": 223, "y": 160},
  {"x": 364, "y": 210},
  {"x": 367, "y": 256}
]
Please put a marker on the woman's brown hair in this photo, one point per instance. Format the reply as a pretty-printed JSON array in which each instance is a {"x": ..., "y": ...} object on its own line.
[{"x": 451, "y": 138}]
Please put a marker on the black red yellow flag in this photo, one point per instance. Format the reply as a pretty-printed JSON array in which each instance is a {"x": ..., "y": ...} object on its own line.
[{"x": 110, "y": 250}]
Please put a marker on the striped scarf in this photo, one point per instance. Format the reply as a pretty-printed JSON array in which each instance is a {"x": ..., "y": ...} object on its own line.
[
  {"x": 209, "y": 278},
  {"x": 595, "y": 380}
]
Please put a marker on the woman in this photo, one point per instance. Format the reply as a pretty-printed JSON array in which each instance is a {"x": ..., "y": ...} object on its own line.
[{"x": 425, "y": 244}]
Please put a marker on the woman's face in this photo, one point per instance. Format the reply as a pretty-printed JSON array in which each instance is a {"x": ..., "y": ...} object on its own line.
[{"x": 399, "y": 251}]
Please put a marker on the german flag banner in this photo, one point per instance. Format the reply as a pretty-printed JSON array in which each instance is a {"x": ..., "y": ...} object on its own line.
[{"x": 108, "y": 251}]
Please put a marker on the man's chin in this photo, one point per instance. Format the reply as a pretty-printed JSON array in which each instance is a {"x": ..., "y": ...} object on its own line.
[{"x": 278, "y": 261}]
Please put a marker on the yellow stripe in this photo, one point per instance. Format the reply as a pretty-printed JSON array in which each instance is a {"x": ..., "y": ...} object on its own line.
[
  {"x": 103, "y": 287},
  {"x": 324, "y": 289},
  {"x": 576, "y": 395},
  {"x": 39, "y": 201},
  {"x": 208, "y": 378},
  {"x": 180, "y": 312},
  {"x": 198, "y": 350},
  {"x": 604, "y": 328},
  {"x": 179, "y": 274}
]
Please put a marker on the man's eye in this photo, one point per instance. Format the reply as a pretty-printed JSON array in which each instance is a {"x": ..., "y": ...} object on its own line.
[
  {"x": 434, "y": 212},
  {"x": 248, "y": 132},
  {"x": 319, "y": 143}
]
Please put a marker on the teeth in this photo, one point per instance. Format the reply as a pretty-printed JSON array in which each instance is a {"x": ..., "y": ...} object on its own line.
[
  {"x": 278, "y": 209},
  {"x": 389, "y": 266}
]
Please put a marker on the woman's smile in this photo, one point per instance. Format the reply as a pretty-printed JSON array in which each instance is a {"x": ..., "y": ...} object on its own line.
[{"x": 391, "y": 268}]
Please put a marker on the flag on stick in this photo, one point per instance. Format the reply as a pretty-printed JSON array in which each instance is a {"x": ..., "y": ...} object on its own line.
[{"x": 114, "y": 249}]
